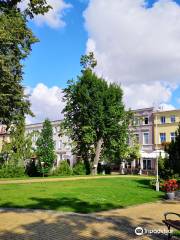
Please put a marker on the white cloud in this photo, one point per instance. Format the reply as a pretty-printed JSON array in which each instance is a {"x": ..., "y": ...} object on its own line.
[
  {"x": 54, "y": 18},
  {"x": 46, "y": 103},
  {"x": 136, "y": 47},
  {"x": 166, "y": 107},
  {"x": 145, "y": 95}
]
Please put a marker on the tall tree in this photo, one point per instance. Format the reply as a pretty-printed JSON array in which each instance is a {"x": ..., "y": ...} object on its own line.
[
  {"x": 45, "y": 147},
  {"x": 16, "y": 40},
  {"x": 94, "y": 115}
]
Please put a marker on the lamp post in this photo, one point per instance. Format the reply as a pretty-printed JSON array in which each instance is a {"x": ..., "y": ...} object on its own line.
[
  {"x": 42, "y": 164},
  {"x": 157, "y": 156}
]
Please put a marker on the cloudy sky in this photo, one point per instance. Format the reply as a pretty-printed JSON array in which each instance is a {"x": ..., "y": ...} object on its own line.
[{"x": 136, "y": 43}]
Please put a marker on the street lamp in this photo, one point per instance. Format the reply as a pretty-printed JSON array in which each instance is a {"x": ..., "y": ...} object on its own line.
[{"x": 42, "y": 164}]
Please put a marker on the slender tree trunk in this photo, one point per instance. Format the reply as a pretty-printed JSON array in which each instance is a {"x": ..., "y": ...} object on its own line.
[{"x": 97, "y": 156}]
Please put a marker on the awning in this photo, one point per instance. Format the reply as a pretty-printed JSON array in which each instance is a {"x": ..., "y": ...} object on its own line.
[{"x": 154, "y": 154}]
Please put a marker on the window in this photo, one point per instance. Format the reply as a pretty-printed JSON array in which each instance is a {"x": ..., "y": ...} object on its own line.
[
  {"x": 146, "y": 120},
  {"x": 146, "y": 138},
  {"x": 173, "y": 119},
  {"x": 147, "y": 164},
  {"x": 136, "y": 137},
  {"x": 60, "y": 144},
  {"x": 162, "y": 137},
  {"x": 163, "y": 120},
  {"x": 136, "y": 121},
  {"x": 173, "y": 136}
]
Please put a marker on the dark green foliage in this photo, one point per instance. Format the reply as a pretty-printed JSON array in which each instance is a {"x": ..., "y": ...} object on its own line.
[
  {"x": 95, "y": 116},
  {"x": 79, "y": 169},
  {"x": 32, "y": 168},
  {"x": 165, "y": 172},
  {"x": 63, "y": 169},
  {"x": 16, "y": 41},
  {"x": 11, "y": 171},
  {"x": 45, "y": 148},
  {"x": 173, "y": 161}
]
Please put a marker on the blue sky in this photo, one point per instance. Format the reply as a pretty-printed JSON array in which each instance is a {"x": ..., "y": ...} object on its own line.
[{"x": 55, "y": 59}]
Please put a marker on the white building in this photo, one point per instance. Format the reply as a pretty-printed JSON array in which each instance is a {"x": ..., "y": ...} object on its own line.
[{"x": 62, "y": 143}]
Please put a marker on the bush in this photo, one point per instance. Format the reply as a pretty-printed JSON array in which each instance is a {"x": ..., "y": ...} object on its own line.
[
  {"x": 164, "y": 170},
  {"x": 11, "y": 171},
  {"x": 32, "y": 169},
  {"x": 152, "y": 183},
  {"x": 79, "y": 169},
  {"x": 63, "y": 169}
]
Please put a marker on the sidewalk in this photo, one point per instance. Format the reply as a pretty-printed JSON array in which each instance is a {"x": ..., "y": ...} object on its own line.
[
  {"x": 37, "y": 180},
  {"x": 110, "y": 225}
]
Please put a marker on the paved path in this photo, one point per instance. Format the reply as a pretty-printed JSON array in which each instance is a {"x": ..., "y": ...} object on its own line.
[
  {"x": 110, "y": 225},
  {"x": 36, "y": 180}
]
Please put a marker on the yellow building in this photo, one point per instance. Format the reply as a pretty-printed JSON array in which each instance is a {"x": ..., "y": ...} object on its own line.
[{"x": 165, "y": 125}]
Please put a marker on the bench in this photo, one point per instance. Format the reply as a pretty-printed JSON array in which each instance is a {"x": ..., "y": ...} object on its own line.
[{"x": 171, "y": 223}]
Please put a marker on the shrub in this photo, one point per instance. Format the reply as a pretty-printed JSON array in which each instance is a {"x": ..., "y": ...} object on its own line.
[
  {"x": 79, "y": 169},
  {"x": 63, "y": 169},
  {"x": 32, "y": 169},
  {"x": 152, "y": 183},
  {"x": 165, "y": 172},
  {"x": 11, "y": 171}
]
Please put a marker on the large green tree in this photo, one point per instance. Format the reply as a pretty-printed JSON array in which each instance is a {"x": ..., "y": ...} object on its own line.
[
  {"x": 16, "y": 40},
  {"x": 45, "y": 148},
  {"x": 94, "y": 116}
]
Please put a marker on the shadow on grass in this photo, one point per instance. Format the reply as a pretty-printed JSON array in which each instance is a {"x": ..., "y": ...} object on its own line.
[
  {"x": 64, "y": 204},
  {"x": 145, "y": 183}
]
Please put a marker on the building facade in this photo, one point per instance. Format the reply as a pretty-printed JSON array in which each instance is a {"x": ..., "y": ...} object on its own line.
[
  {"x": 165, "y": 125},
  {"x": 152, "y": 130},
  {"x": 63, "y": 145},
  {"x": 142, "y": 129}
]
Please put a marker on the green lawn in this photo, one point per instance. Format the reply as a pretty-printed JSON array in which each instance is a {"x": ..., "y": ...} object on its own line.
[{"x": 82, "y": 196}]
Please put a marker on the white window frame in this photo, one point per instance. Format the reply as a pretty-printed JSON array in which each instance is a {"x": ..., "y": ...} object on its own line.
[{"x": 144, "y": 138}]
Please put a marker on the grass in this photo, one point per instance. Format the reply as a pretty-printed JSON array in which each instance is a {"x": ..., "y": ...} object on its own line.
[{"x": 82, "y": 196}]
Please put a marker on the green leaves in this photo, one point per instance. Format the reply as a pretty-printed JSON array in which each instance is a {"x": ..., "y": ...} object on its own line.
[
  {"x": 45, "y": 147},
  {"x": 94, "y": 111},
  {"x": 16, "y": 41}
]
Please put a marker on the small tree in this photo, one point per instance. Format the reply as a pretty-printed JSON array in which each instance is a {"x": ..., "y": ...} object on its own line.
[
  {"x": 45, "y": 148},
  {"x": 20, "y": 147}
]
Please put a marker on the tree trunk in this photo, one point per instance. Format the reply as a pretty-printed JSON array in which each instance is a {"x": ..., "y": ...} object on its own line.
[{"x": 97, "y": 156}]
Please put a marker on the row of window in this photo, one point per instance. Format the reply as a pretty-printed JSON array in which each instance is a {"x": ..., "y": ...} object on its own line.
[
  {"x": 138, "y": 121},
  {"x": 172, "y": 119},
  {"x": 145, "y": 138},
  {"x": 145, "y": 120},
  {"x": 162, "y": 137}
]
